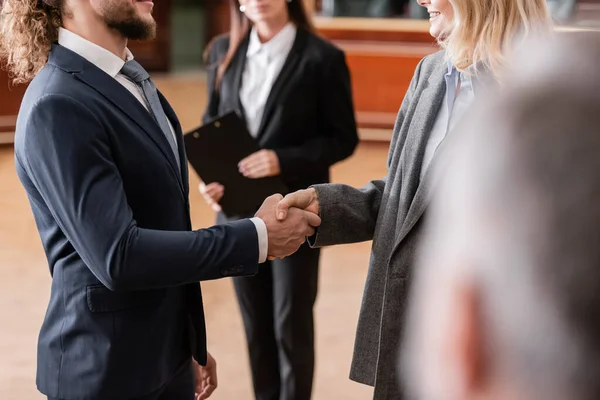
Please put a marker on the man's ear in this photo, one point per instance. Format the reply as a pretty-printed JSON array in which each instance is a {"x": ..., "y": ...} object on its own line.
[{"x": 466, "y": 342}]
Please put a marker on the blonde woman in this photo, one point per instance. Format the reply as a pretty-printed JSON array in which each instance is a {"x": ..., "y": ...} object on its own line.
[{"x": 475, "y": 36}]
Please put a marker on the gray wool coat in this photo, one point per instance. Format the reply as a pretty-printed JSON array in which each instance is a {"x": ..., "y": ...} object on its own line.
[{"x": 389, "y": 212}]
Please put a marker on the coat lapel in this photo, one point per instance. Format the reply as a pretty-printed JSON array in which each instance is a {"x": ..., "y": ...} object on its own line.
[
  {"x": 282, "y": 80},
  {"x": 420, "y": 200},
  {"x": 431, "y": 99},
  {"x": 424, "y": 191},
  {"x": 237, "y": 71}
]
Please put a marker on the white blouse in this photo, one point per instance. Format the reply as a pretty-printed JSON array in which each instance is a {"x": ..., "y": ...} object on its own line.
[
  {"x": 264, "y": 62},
  {"x": 459, "y": 96}
]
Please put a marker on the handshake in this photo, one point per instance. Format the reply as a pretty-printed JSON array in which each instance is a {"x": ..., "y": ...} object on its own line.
[{"x": 289, "y": 220}]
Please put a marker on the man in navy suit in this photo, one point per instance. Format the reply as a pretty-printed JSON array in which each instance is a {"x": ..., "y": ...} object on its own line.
[{"x": 100, "y": 154}]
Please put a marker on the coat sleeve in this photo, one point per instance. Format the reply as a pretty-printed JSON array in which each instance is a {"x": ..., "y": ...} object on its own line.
[{"x": 349, "y": 214}]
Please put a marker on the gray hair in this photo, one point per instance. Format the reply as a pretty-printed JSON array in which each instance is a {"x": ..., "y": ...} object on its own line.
[{"x": 520, "y": 207}]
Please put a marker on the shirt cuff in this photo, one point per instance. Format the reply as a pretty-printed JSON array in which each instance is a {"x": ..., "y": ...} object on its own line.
[{"x": 263, "y": 239}]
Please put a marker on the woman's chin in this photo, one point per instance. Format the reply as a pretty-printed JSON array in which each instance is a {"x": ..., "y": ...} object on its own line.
[
  {"x": 435, "y": 32},
  {"x": 438, "y": 32}
]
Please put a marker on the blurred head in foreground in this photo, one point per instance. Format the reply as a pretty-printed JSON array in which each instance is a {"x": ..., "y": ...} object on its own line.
[{"x": 506, "y": 301}]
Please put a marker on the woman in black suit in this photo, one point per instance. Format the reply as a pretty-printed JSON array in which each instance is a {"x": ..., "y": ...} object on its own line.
[{"x": 293, "y": 90}]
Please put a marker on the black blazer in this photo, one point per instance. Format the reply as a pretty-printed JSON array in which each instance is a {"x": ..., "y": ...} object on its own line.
[
  {"x": 111, "y": 206},
  {"x": 309, "y": 115}
]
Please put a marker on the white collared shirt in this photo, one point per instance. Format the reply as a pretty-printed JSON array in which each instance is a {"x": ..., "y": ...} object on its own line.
[
  {"x": 112, "y": 64},
  {"x": 457, "y": 100},
  {"x": 264, "y": 62}
]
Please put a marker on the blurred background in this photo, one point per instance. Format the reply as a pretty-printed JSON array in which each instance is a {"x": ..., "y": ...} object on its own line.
[{"x": 386, "y": 36}]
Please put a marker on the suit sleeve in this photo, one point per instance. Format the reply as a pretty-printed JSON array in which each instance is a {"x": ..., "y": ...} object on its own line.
[
  {"x": 336, "y": 122},
  {"x": 349, "y": 214},
  {"x": 68, "y": 158}
]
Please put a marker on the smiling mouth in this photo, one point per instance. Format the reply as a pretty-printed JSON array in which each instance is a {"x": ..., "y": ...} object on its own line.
[{"x": 433, "y": 14}]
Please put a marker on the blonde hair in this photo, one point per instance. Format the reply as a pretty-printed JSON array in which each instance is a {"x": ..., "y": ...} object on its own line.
[
  {"x": 483, "y": 31},
  {"x": 27, "y": 30}
]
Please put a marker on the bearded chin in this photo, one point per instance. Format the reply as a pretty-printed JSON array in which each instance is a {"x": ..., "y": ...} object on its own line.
[
  {"x": 124, "y": 19},
  {"x": 135, "y": 28}
]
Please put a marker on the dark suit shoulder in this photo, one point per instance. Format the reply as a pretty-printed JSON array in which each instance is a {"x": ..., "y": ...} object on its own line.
[
  {"x": 51, "y": 80},
  {"x": 321, "y": 48},
  {"x": 53, "y": 86},
  {"x": 55, "y": 92},
  {"x": 218, "y": 47}
]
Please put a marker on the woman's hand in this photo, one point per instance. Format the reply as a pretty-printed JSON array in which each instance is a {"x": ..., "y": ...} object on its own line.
[
  {"x": 261, "y": 164},
  {"x": 205, "y": 378},
  {"x": 213, "y": 193}
]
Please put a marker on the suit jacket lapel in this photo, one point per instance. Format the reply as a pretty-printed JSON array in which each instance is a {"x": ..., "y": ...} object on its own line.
[
  {"x": 282, "y": 80},
  {"x": 128, "y": 104},
  {"x": 179, "y": 138}
]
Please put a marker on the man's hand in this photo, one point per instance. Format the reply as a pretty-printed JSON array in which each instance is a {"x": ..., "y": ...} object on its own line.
[
  {"x": 212, "y": 193},
  {"x": 303, "y": 199},
  {"x": 286, "y": 237},
  {"x": 261, "y": 164},
  {"x": 206, "y": 378}
]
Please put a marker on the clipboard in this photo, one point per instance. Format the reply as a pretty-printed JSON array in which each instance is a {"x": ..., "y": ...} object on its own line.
[{"x": 214, "y": 151}]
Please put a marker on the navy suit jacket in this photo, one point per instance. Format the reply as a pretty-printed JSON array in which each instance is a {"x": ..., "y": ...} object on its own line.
[{"x": 112, "y": 210}]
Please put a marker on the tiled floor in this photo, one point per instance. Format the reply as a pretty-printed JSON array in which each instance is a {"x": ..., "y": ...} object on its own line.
[{"x": 24, "y": 281}]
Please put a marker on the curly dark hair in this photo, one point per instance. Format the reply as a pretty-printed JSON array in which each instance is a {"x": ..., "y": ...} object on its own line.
[{"x": 27, "y": 30}]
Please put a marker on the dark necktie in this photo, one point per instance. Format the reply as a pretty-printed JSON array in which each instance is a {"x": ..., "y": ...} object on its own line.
[{"x": 134, "y": 71}]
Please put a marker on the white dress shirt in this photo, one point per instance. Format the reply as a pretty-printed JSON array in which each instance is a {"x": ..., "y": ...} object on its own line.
[
  {"x": 459, "y": 96},
  {"x": 264, "y": 62},
  {"x": 112, "y": 64}
]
